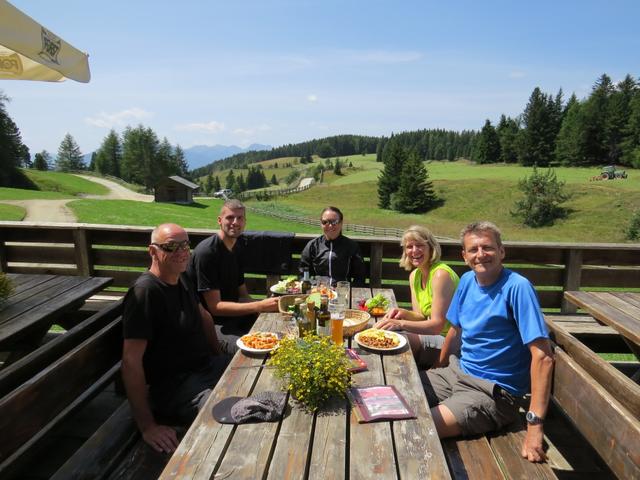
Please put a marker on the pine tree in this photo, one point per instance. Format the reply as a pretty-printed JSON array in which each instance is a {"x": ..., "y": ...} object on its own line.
[
  {"x": 241, "y": 185},
  {"x": 394, "y": 156},
  {"x": 230, "y": 182},
  {"x": 543, "y": 197},
  {"x": 208, "y": 185},
  {"x": 415, "y": 193},
  {"x": 140, "y": 157},
  {"x": 487, "y": 147},
  {"x": 507, "y": 131},
  {"x": 41, "y": 160},
  {"x": 536, "y": 140},
  {"x": 631, "y": 141},
  {"x": 569, "y": 144},
  {"x": 69, "y": 157},
  {"x": 12, "y": 150},
  {"x": 274, "y": 180},
  {"x": 180, "y": 162},
  {"x": 337, "y": 168},
  {"x": 216, "y": 184},
  {"x": 109, "y": 155}
]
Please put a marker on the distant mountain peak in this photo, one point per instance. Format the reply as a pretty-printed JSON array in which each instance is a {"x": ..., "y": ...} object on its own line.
[{"x": 201, "y": 155}]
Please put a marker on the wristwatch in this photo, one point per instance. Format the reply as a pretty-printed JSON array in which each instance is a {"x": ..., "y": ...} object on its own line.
[{"x": 533, "y": 419}]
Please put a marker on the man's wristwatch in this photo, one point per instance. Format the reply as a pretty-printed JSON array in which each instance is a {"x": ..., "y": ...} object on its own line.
[{"x": 533, "y": 419}]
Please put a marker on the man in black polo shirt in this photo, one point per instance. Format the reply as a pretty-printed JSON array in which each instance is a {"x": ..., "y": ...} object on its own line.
[
  {"x": 217, "y": 270},
  {"x": 169, "y": 343}
]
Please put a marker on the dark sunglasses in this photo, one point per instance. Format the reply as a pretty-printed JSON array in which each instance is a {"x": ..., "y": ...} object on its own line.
[
  {"x": 171, "y": 247},
  {"x": 333, "y": 223}
]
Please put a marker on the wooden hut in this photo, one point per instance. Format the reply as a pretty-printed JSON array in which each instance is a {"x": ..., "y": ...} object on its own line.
[{"x": 174, "y": 189}]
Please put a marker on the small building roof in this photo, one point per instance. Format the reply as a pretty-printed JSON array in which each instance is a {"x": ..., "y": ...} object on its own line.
[{"x": 184, "y": 182}]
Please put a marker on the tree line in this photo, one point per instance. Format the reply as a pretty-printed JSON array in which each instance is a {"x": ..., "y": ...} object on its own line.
[{"x": 603, "y": 128}]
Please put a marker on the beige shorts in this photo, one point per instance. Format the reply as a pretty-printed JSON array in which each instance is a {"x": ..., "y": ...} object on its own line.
[{"x": 479, "y": 406}]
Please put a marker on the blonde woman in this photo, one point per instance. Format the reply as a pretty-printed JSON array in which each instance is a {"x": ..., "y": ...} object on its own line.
[{"x": 432, "y": 284}]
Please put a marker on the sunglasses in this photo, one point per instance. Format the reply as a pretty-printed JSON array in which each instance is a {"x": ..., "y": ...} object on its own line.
[
  {"x": 171, "y": 247},
  {"x": 333, "y": 223}
]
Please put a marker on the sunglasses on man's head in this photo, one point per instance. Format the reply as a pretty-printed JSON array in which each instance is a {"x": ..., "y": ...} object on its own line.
[
  {"x": 333, "y": 223},
  {"x": 171, "y": 247}
]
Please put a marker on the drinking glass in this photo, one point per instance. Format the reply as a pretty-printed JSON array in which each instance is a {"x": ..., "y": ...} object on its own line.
[
  {"x": 337, "y": 308},
  {"x": 343, "y": 289}
]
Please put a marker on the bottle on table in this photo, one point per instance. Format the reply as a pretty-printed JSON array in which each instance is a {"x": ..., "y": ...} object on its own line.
[
  {"x": 311, "y": 316},
  {"x": 305, "y": 286},
  {"x": 324, "y": 317}
]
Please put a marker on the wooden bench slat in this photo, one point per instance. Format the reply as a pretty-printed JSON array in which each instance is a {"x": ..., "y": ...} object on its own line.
[
  {"x": 612, "y": 380},
  {"x": 506, "y": 447},
  {"x": 471, "y": 459},
  {"x": 605, "y": 423}
]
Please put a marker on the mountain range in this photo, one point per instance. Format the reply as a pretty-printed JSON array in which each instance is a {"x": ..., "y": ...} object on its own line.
[{"x": 201, "y": 155}]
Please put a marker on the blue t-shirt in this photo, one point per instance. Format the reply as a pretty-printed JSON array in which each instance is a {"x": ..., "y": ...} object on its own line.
[{"x": 498, "y": 322}]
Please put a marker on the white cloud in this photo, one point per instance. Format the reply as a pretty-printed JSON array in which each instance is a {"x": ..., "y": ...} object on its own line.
[
  {"x": 517, "y": 74},
  {"x": 252, "y": 130},
  {"x": 209, "y": 127},
  {"x": 312, "y": 98},
  {"x": 118, "y": 119}
]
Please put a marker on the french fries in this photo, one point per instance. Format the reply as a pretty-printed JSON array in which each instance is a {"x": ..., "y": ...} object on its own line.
[{"x": 260, "y": 340}]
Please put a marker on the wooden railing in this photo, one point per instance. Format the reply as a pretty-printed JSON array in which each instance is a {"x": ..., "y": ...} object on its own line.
[{"x": 120, "y": 252}]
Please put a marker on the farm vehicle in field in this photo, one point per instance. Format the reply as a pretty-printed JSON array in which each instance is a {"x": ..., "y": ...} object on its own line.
[{"x": 610, "y": 173}]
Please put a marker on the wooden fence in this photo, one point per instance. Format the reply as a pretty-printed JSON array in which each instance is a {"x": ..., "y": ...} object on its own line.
[{"x": 120, "y": 252}]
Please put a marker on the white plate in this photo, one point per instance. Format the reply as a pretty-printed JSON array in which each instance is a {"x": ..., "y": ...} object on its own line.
[
  {"x": 273, "y": 290},
  {"x": 401, "y": 338},
  {"x": 244, "y": 348}
]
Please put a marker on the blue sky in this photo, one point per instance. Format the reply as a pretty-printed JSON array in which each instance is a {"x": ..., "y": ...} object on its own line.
[{"x": 284, "y": 71}]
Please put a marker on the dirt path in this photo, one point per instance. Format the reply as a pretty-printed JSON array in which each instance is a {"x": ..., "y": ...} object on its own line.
[{"x": 57, "y": 211}]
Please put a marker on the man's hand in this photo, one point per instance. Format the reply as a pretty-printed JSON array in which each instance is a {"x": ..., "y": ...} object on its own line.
[
  {"x": 161, "y": 438},
  {"x": 532, "y": 448},
  {"x": 268, "y": 305}
]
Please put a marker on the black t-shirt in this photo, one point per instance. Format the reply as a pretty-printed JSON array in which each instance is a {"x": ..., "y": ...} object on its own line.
[
  {"x": 214, "y": 267},
  {"x": 167, "y": 316}
]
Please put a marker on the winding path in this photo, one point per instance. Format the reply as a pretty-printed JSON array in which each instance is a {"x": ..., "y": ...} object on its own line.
[{"x": 39, "y": 210}]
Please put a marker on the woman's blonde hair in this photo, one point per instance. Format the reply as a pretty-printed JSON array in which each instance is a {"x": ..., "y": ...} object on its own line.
[{"x": 421, "y": 234}]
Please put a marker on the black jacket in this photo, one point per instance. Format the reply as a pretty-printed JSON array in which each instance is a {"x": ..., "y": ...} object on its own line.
[{"x": 338, "y": 259}]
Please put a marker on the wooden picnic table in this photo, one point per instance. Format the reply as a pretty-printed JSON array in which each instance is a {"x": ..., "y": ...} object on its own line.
[
  {"x": 38, "y": 301},
  {"x": 327, "y": 444}
]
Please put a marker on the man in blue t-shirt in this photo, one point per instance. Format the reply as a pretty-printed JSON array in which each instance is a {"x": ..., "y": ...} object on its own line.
[{"x": 505, "y": 349}]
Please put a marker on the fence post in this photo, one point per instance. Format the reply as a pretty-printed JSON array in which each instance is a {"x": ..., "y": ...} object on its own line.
[
  {"x": 3, "y": 257},
  {"x": 375, "y": 271},
  {"x": 572, "y": 277},
  {"x": 83, "y": 252}
]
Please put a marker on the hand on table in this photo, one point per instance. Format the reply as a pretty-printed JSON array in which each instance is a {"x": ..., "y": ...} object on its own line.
[
  {"x": 268, "y": 305},
  {"x": 161, "y": 438},
  {"x": 389, "y": 324}
]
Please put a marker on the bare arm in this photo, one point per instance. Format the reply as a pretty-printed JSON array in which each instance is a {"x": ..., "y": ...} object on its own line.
[
  {"x": 245, "y": 306},
  {"x": 209, "y": 330},
  {"x": 541, "y": 375},
  {"x": 160, "y": 437},
  {"x": 413, "y": 320}
]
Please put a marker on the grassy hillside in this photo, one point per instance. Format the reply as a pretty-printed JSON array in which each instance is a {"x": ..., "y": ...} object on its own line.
[
  {"x": 202, "y": 214},
  {"x": 53, "y": 185},
  {"x": 599, "y": 210}
]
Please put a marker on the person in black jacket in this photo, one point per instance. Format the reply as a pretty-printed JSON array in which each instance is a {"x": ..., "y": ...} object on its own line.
[{"x": 332, "y": 254}]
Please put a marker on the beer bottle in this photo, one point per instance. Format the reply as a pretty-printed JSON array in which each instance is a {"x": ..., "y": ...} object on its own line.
[
  {"x": 305, "y": 287},
  {"x": 311, "y": 315},
  {"x": 324, "y": 317}
]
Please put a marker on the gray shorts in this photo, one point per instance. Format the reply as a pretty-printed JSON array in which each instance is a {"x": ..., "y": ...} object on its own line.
[
  {"x": 479, "y": 406},
  {"x": 430, "y": 346}
]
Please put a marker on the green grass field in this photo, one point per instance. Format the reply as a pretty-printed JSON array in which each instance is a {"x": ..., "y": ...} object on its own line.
[
  {"x": 11, "y": 212},
  {"x": 202, "y": 214},
  {"x": 599, "y": 211}
]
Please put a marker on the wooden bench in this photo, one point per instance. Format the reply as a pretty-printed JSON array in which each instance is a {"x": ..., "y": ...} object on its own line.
[
  {"x": 592, "y": 428},
  {"x": 36, "y": 407}
]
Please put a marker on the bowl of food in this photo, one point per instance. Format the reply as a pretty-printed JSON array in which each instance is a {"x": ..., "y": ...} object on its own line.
[
  {"x": 354, "y": 322},
  {"x": 288, "y": 286},
  {"x": 377, "y": 306}
]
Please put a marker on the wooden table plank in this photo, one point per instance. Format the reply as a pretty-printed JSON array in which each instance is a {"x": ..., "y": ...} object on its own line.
[
  {"x": 330, "y": 442},
  {"x": 612, "y": 310},
  {"x": 39, "y": 303}
]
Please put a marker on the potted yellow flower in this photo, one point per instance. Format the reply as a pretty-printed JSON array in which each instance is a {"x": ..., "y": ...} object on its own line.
[{"x": 313, "y": 369}]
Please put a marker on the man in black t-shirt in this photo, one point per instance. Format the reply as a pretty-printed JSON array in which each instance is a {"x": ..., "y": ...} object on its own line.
[
  {"x": 217, "y": 270},
  {"x": 169, "y": 342}
]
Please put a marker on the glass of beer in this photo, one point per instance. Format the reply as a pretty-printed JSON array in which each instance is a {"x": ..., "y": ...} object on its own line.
[{"x": 337, "y": 309}]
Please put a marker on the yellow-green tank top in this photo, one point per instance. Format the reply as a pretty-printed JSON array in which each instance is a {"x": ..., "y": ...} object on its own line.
[{"x": 425, "y": 295}]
